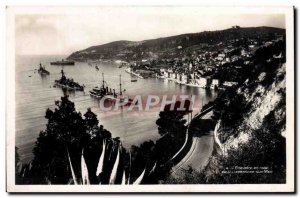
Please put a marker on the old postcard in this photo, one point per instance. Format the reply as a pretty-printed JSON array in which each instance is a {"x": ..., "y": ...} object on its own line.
[{"x": 150, "y": 99}]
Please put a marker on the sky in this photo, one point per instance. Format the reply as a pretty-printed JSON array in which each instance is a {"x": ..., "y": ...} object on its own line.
[{"x": 65, "y": 31}]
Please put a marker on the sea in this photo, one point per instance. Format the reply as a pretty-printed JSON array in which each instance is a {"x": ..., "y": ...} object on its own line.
[{"x": 36, "y": 93}]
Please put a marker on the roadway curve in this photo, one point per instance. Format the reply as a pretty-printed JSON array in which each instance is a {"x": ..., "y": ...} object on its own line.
[{"x": 200, "y": 151}]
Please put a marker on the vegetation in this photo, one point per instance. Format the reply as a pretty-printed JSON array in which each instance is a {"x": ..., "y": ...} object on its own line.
[
  {"x": 66, "y": 130},
  {"x": 69, "y": 134},
  {"x": 171, "y": 126},
  {"x": 264, "y": 153}
]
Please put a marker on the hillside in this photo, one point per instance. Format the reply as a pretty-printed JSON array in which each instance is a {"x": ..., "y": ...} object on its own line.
[
  {"x": 250, "y": 137},
  {"x": 258, "y": 141},
  {"x": 174, "y": 46}
]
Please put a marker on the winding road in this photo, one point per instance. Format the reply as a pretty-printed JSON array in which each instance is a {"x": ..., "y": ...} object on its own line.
[{"x": 201, "y": 148}]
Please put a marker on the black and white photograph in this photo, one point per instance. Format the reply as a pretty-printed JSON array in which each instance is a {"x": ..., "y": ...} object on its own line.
[{"x": 150, "y": 99}]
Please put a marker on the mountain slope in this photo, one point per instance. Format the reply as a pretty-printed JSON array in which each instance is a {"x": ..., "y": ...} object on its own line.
[{"x": 174, "y": 46}]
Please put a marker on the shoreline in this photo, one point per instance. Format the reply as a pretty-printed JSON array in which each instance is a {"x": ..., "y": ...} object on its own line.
[
  {"x": 187, "y": 84},
  {"x": 133, "y": 73}
]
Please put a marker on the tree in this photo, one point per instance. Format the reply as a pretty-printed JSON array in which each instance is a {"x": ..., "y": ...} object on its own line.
[
  {"x": 171, "y": 123},
  {"x": 65, "y": 130},
  {"x": 91, "y": 122}
]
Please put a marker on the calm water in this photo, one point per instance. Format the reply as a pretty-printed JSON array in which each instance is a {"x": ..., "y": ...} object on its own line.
[{"x": 35, "y": 94}]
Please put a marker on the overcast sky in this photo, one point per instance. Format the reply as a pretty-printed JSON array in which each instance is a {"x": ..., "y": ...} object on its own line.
[{"x": 60, "y": 33}]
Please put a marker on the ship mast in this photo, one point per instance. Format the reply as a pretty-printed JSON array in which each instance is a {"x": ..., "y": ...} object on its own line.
[
  {"x": 62, "y": 72},
  {"x": 103, "y": 80},
  {"x": 120, "y": 86}
]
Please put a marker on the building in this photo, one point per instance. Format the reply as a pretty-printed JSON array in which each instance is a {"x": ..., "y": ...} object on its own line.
[
  {"x": 215, "y": 82},
  {"x": 202, "y": 82},
  {"x": 173, "y": 75},
  {"x": 165, "y": 74},
  {"x": 236, "y": 27},
  {"x": 184, "y": 79},
  {"x": 229, "y": 83}
]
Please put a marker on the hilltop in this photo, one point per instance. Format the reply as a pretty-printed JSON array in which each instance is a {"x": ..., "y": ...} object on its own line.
[{"x": 173, "y": 46}]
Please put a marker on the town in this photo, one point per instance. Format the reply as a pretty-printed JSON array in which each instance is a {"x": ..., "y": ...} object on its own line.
[{"x": 211, "y": 66}]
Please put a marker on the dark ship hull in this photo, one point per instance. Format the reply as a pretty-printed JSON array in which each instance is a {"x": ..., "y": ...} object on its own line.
[
  {"x": 68, "y": 87},
  {"x": 68, "y": 84},
  {"x": 63, "y": 63},
  {"x": 43, "y": 72}
]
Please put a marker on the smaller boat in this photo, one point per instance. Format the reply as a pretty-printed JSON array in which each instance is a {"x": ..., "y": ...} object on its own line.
[
  {"x": 134, "y": 80},
  {"x": 97, "y": 68},
  {"x": 42, "y": 70}
]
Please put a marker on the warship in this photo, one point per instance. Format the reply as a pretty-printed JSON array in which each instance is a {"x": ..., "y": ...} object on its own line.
[
  {"x": 42, "y": 70},
  {"x": 99, "y": 92},
  {"x": 63, "y": 62},
  {"x": 110, "y": 94},
  {"x": 67, "y": 83}
]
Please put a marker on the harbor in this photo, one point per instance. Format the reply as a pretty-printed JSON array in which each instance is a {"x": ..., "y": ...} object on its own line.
[{"x": 38, "y": 94}]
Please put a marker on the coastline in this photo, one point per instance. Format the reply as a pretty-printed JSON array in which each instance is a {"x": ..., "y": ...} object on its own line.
[
  {"x": 187, "y": 84},
  {"x": 133, "y": 73}
]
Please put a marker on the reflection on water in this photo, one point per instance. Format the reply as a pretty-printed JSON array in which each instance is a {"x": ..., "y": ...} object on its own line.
[{"x": 36, "y": 93}]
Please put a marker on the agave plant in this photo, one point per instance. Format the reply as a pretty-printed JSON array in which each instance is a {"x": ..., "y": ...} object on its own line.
[
  {"x": 101, "y": 160},
  {"x": 84, "y": 180},
  {"x": 84, "y": 171},
  {"x": 72, "y": 170},
  {"x": 113, "y": 175}
]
